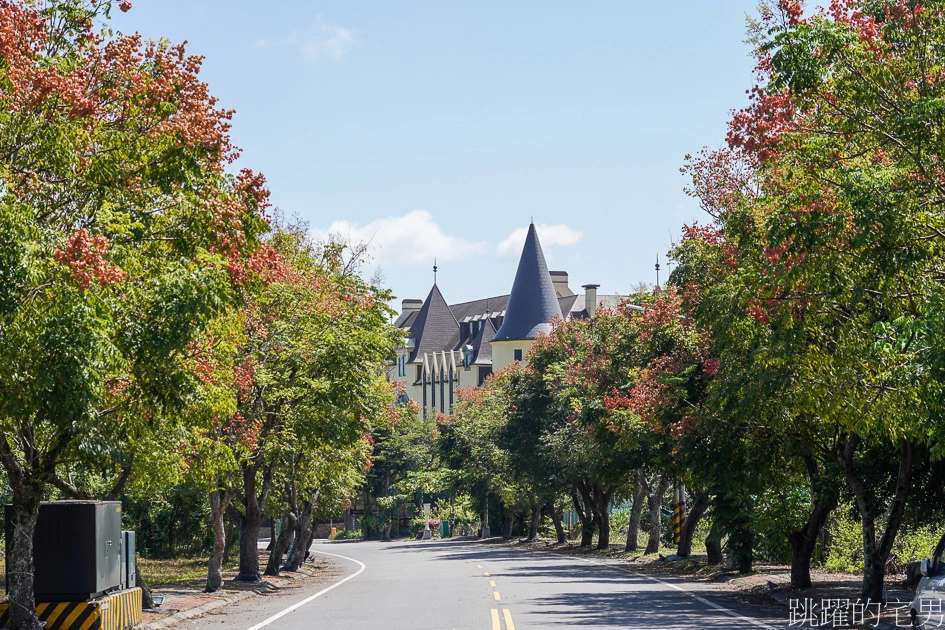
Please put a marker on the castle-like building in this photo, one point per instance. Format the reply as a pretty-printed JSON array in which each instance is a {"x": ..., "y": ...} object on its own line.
[{"x": 459, "y": 345}]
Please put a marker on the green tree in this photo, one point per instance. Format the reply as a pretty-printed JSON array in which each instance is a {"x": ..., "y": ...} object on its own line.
[{"x": 123, "y": 237}]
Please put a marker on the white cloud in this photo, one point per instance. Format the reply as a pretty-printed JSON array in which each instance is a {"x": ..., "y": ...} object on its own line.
[
  {"x": 319, "y": 40},
  {"x": 412, "y": 239},
  {"x": 548, "y": 235}
]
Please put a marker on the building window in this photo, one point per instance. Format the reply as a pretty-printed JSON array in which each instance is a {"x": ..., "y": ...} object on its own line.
[
  {"x": 419, "y": 373},
  {"x": 518, "y": 355}
]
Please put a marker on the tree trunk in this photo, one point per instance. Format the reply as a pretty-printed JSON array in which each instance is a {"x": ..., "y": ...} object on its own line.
[
  {"x": 303, "y": 537},
  {"x": 231, "y": 521},
  {"x": 26, "y": 500},
  {"x": 556, "y": 520},
  {"x": 602, "y": 500},
  {"x": 713, "y": 544},
  {"x": 219, "y": 500},
  {"x": 310, "y": 540},
  {"x": 699, "y": 505},
  {"x": 508, "y": 524},
  {"x": 250, "y": 523},
  {"x": 285, "y": 538},
  {"x": 655, "y": 503},
  {"x": 535, "y": 517},
  {"x": 636, "y": 512},
  {"x": 804, "y": 541},
  {"x": 875, "y": 554},
  {"x": 582, "y": 507},
  {"x": 147, "y": 603}
]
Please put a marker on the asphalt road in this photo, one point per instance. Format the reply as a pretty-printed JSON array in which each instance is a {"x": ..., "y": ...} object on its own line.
[{"x": 438, "y": 585}]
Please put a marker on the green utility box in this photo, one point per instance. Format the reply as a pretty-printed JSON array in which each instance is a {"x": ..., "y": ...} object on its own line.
[{"x": 444, "y": 529}]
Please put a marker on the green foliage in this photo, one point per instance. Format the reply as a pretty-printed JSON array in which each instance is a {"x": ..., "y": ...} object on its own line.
[
  {"x": 169, "y": 525},
  {"x": 845, "y": 546},
  {"x": 916, "y": 544}
]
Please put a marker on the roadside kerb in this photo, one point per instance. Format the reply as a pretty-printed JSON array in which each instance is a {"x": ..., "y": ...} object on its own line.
[{"x": 199, "y": 610}]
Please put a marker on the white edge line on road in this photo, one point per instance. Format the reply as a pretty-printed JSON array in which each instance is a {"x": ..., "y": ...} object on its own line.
[
  {"x": 285, "y": 612},
  {"x": 675, "y": 587}
]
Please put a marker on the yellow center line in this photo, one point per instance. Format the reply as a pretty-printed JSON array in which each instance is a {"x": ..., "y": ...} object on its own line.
[
  {"x": 495, "y": 619},
  {"x": 491, "y": 582},
  {"x": 508, "y": 619},
  {"x": 486, "y": 574},
  {"x": 478, "y": 566},
  {"x": 496, "y": 595}
]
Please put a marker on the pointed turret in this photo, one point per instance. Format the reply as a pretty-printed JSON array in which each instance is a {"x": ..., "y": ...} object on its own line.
[
  {"x": 433, "y": 327},
  {"x": 533, "y": 302}
]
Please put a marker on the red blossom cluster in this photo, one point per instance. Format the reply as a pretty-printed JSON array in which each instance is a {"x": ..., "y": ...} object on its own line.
[
  {"x": 239, "y": 428},
  {"x": 758, "y": 129},
  {"x": 117, "y": 386},
  {"x": 264, "y": 264},
  {"x": 244, "y": 377},
  {"x": 847, "y": 12},
  {"x": 711, "y": 367},
  {"x": 721, "y": 178},
  {"x": 792, "y": 9},
  {"x": 252, "y": 185},
  {"x": 85, "y": 257}
]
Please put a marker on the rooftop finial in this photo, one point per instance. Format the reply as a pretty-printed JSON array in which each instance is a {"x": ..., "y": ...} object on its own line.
[
  {"x": 657, "y": 271},
  {"x": 434, "y": 270}
]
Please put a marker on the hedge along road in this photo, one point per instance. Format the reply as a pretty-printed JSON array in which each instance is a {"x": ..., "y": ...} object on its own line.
[{"x": 438, "y": 585}]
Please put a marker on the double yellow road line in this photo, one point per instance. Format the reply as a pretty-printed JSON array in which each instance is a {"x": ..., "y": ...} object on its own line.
[
  {"x": 496, "y": 624},
  {"x": 506, "y": 613}
]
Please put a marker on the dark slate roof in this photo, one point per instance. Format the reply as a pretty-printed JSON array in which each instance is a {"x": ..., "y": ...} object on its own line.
[
  {"x": 477, "y": 307},
  {"x": 533, "y": 302},
  {"x": 406, "y": 321},
  {"x": 482, "y": 345},
  {"x": 433, "y": 326}
]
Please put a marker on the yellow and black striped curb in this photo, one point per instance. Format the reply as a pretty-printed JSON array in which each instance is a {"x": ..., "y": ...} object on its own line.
[{"x": 117, "y": 611}]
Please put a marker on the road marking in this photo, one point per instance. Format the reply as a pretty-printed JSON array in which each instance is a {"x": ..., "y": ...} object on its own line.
[
  {"x": 508, "y": 619},
  {"x": 491, "y": 582},
  {"x": 698, "y": 598},
  {"x": 486, "y": 574},
  {"x": 285, "y": 612},
  {"x": 495, "y": 619},
  {"x": 478, "y": 566},
  {"x": 496, "y": 595}
]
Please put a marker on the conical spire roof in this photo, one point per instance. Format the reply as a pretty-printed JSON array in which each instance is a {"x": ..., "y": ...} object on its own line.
[
  {"x": 434, "y": 326},
  {"x": 533, "y": 302}
]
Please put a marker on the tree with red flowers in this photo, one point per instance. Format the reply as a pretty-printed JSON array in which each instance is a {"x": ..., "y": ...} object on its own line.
[
  {"x": 121, "y": 231},
  {"x": 826, "y": 205},
  {"x": 307, "y": 378}
]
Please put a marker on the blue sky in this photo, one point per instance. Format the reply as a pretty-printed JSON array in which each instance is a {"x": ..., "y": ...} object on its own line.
[{"x": 439, "y": 129}]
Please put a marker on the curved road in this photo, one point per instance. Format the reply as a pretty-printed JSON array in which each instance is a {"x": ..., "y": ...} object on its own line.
[{"x": 464, "y": 584}]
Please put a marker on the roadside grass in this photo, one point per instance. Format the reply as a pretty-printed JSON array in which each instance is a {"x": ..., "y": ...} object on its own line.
[{"x": 173, "y": 570}]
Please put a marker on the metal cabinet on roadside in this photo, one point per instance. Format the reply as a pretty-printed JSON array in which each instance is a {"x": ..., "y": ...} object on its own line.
[{"x": 76, "y": 549}]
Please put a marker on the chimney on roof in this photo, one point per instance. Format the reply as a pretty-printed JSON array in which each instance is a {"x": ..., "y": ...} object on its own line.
[
  {"x": 590, "y": 298},
  {"x": 560, "y": 280},
  {"x": 409, "y": 306}
]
